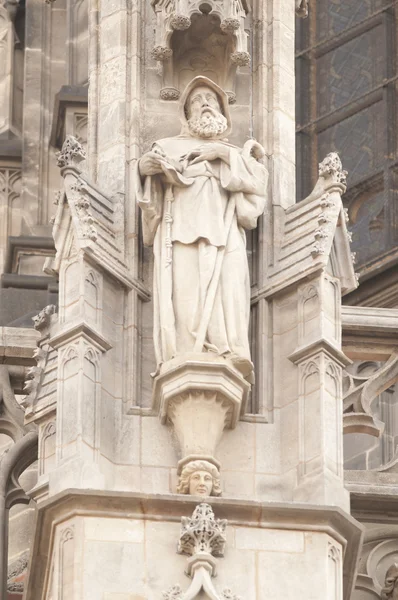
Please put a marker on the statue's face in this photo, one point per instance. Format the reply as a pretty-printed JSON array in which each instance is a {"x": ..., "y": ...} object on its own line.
[
  {"x": 200, "y": 483},
  {"x": 202, "y": 101}
]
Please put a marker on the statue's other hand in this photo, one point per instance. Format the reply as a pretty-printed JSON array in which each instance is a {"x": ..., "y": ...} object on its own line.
[
  {"x": 150, "y": 164},
  {"x": 212, "y": 151}
]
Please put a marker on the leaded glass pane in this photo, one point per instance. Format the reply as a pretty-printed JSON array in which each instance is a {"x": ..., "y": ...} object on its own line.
[
  {"x": 360, "y": 140},
  {"x": 350, "y": 71},
  {"x": 335, "y": 16},
  {"x": 368, "y": 213}
]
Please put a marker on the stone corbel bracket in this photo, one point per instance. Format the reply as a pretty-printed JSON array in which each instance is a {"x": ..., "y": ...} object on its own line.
[
  {"x": 358, "y": 416},
  {"x": 202, "y": 538}
]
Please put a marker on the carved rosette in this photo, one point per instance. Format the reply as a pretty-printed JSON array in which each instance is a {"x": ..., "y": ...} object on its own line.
[
  {"x": 161, "y": 53},
  {"x": 169, "y": 94},
  {"x": 202, "y": 533},
  {"x": 229, "y": 25},
  {"x": 179, "y": 22},
  {"x": 242, "y": 59}
]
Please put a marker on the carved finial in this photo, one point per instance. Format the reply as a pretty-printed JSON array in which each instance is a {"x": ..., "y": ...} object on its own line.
[
  {"x": 302, "y": 8},
  {"x": 202, "y": 532},
  {"x": 331, "y": 166},
  {"x": 43, "y": 318},
  {"x": 72, "y": 153}
]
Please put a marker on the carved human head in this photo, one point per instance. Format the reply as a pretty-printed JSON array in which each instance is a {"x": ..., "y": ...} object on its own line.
[
  {"x": 390, "y": 589},
  {"x": 204, "y": 110},
  {"x": 202, "y": 100},
  {"x": 200, "y": 478}
]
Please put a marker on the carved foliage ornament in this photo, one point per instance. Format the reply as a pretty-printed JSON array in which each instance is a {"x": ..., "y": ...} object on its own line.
[
  {"x": 202, "y": 538},
  {"x": 72, "y": 153},
  {"x": 202, "y": 533},
  {"x": 331, "y": 167}
]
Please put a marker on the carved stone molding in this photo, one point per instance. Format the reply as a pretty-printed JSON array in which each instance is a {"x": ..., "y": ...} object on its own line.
[{"x": 202, "y": 533}]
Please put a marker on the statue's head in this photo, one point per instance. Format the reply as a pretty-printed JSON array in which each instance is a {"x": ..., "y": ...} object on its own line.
[
  {"x": 200, "y": 478},
  {"x": 390, "y": 589},
  {"x": 204, "y": 110}
]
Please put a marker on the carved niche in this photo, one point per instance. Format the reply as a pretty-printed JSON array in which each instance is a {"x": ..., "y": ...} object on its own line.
[{"x": 196, "y": 37}]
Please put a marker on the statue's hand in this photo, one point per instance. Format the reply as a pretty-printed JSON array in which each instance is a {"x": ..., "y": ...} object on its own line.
[
  {"x": 150, "y": 164},
  {"x": 212, "y": 151}
]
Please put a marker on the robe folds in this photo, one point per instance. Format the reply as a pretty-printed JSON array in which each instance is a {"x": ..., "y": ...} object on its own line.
[{"x": 186, "y": 218}]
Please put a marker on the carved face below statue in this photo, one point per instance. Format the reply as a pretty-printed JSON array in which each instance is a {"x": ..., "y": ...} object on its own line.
[
  {"x": 199, "y": 478},
  {"x": 198, "y": 193}
]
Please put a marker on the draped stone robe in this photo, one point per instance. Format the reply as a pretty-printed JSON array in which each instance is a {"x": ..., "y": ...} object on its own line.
[{"x": 184, "y": 218}]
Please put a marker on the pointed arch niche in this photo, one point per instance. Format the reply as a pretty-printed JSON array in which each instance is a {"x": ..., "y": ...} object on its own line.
[{"x": 196, "y": 37}]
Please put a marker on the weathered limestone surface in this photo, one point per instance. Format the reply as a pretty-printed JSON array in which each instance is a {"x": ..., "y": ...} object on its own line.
[{"x": 130, "y": 440}]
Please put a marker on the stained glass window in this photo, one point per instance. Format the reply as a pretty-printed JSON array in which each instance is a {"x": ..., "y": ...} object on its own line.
[{"x": 347, "y": 102}]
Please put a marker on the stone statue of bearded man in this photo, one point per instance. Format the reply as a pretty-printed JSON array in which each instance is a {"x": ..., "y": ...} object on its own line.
[{"x": 198, "y": 194}]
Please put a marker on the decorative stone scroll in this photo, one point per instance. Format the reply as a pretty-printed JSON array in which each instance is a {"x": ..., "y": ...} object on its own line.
[{"x": 202, "y": 538}]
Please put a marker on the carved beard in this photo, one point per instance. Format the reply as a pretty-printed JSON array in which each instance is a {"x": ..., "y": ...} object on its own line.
[{"x": 208, "y": 125}]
